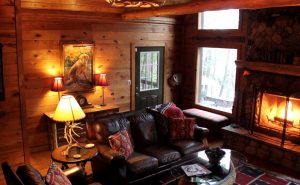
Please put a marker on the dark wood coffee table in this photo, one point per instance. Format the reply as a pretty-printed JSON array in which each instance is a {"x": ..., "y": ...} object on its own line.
[
  {"x": 86, "y": 155},
  {"x": 223, "y": 174}
]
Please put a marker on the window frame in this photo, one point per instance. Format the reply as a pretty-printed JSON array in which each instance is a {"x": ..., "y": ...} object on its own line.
[
  {"x": 216, "y": 44},
  {"x": 222, "y": 33}
]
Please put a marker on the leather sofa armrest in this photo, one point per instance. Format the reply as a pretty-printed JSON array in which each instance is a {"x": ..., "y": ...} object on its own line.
[
  {"x": 201, "y": 131},
  {"x": 76, "y": 175},
  {"x": 109, "y": 166},
  {"x": 200, "y": 134},
  {"x": 109, "y": 155}
]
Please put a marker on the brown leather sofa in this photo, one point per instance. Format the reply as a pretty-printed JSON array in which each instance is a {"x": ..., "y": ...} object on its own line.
[{"x": 153, "y": 152}]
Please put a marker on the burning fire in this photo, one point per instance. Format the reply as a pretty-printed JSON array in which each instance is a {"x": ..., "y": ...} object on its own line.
[{"x": 277, "y": 114}]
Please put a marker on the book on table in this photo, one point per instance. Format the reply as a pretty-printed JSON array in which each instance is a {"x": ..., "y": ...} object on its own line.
[{"x": 195, "y": 170}]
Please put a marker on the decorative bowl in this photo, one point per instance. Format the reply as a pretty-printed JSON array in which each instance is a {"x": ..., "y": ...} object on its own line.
[{"x": 214, "y": 155}]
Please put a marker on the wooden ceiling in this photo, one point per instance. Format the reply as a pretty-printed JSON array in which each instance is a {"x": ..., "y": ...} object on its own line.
[
  {"x": 172, "y": 7},
  {"x": 174, "y": 2},
  {"x": 204, "y": 5}
]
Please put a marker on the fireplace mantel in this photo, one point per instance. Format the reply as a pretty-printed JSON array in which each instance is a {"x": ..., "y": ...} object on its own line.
[{"x": 283, "y": 69}]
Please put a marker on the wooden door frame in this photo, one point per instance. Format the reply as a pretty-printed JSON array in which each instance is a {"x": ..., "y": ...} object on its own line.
[{"x": 133, "y": 45}]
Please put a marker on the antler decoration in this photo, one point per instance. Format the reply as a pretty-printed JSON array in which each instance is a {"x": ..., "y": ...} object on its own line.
[
  {"x": 136, "y": 3},
  {"x": 69, "y": 129}
]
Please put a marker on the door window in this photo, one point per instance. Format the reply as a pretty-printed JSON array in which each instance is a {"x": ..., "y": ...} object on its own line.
[
  {"x": 148, "y": 76},
  {"x": 149, "y": 70}
]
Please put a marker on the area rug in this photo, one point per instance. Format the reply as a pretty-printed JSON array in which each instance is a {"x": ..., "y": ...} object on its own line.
[{"x": 250, "y": 175}]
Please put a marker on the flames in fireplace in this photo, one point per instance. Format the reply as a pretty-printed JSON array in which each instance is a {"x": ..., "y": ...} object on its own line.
[{"x": 279, "y": 114}]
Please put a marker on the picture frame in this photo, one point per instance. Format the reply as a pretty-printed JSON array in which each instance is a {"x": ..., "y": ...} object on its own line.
[
  {"x": 2, "y": 90},
  {"x": 77, "y": 66}
]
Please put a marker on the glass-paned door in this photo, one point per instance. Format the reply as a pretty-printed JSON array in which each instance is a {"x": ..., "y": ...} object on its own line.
[{"x": 149, "y": 76}]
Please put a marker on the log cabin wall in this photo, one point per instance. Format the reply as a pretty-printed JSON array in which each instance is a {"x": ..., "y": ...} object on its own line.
[
  {"x": 11, "y": 142},
  {"x": 43, "y": 30},
  {"x": 192, "y": 40}
]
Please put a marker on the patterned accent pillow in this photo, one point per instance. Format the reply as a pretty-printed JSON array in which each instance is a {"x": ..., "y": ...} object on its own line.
[
  {"x": 182, "y": 128},
  {"x": 55, "y": 176},
  {"x": 120, "y": 142},
  {"x": 170, "y": 110}
]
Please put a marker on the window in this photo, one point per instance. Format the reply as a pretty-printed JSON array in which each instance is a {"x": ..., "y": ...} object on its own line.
[
  {"x": 216, "y": 78},
  {"x": 223, "y": 19},
  {"x": 149, "y": 70}
]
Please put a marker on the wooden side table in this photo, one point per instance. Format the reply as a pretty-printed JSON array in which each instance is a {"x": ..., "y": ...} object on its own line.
[
  {"x": 86, "y": 155},
  {"x": 56, "y": 131}
]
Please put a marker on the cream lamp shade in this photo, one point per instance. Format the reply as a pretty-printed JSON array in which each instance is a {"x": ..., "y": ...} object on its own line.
[{"x": 68, "y": 110}]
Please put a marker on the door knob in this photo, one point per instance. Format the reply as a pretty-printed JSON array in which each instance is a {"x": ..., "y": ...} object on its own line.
[{"x": 137, "y": 94}]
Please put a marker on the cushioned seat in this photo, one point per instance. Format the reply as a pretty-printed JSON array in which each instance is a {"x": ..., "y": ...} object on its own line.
[
  {"x": 163, "y": 154},
  {"x": 186, "y": 146},
  {"x": 139, "y": 163},
  {"x": 214, "y": 122}
]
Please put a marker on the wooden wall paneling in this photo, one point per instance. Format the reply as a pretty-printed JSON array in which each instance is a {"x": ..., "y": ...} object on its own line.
[
  {"x": 11, "y": 140},
  {"x": 200, "y": 6},
  {"x": 113, "y": 42},
  {"x": 78, "y": 5},
  {"x": 21, "y": 79}
]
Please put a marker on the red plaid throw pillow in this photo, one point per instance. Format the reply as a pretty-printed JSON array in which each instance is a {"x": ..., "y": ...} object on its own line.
[
  {"x": 120, "y": 142},
  {"x": 55, "y": 176},
  {"x": 182, "y": 128},
  {"x": 172, "y": 111}
]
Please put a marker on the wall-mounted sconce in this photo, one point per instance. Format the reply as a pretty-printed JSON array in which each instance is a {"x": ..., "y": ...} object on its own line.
[
  {"x": 58, "y": 85},
  {"x": 101, "y": 80}
]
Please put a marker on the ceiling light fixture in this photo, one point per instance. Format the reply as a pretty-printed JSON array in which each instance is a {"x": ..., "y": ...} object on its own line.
[{"x": 136, "y": 3}]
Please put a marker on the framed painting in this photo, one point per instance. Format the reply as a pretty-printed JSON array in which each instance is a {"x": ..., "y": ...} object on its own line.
[
  {"x": 77, "y": 64},
  {"x": 2, "y": 92}
]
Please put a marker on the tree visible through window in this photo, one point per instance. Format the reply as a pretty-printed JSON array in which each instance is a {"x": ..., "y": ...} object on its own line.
[
  {"x": 216, "y": 78},
  {"x": 149, "y": 71}
]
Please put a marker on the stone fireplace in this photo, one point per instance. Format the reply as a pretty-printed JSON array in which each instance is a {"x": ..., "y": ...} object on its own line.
[{"x": 267, "y": 113}]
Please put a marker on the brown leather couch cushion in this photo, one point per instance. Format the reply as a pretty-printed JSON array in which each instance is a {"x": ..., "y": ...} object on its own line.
[
  {"x": 143, "y": 130},
  {"x": 162, "y": 125},
  {"x": 187, "y": 146},
  {"x": 139, "y": 163},
  {"x": 163, "y": 154}
]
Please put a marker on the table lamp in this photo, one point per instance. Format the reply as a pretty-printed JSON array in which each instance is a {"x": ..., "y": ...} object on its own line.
[
  {"x": 69, "y": 111},
  {"x": 58, "y": 85},
  {"x": 101, "y": 80}
]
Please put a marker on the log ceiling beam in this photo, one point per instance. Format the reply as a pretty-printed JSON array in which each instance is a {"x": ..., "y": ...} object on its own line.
[{"x": 206, "y": 5}]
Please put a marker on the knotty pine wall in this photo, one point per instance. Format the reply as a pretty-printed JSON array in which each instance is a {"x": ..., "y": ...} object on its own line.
[
  {"x": 32, "y": 57},
  {"x": 11, "y": 144},
  {"x": 42, "y": 34}
]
